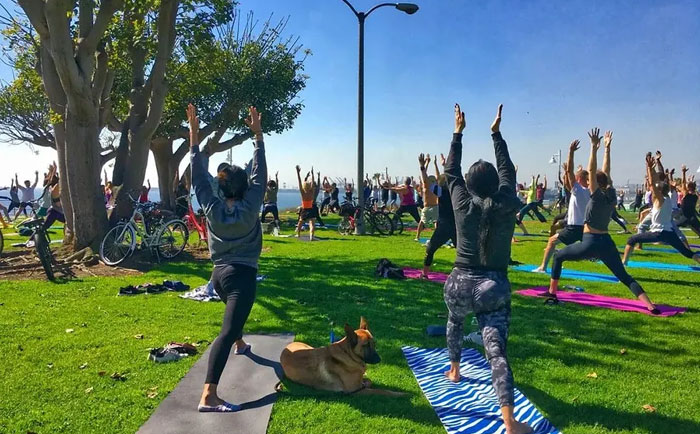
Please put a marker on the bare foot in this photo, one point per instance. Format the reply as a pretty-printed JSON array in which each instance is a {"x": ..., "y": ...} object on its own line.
[
  {"x": 453, "y": 376},
  {"x": 539, "y": 270},
  {"x": 211, "y": 401},
  {"x": 519, "y": 428}
]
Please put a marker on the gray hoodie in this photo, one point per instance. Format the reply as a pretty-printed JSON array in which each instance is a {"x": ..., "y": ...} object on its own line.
[{"x": 235, "y": 234}]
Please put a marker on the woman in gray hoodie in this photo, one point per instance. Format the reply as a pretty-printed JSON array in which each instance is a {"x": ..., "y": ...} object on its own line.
[{"x": 235, "y": 242}]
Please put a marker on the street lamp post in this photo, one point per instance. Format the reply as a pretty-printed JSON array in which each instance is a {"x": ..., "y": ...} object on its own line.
[
  {"x": 410, "y": 9},
  {"x": 557, "y": 159}
]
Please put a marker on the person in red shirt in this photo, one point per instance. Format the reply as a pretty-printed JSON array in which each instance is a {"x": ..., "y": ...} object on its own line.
[{"x": 143, "y": 198}]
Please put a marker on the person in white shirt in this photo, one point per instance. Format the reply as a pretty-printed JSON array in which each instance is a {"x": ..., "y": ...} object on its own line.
[
  {"x": 577, "y": 184},
  {"x": 27, "y": 192},
  {"x": 661, "y": 227}
]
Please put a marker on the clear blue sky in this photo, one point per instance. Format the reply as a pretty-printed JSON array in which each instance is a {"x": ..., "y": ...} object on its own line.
[{"x": 559, "y": 68}]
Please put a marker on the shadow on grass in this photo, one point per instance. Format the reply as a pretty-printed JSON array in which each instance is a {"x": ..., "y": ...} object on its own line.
[{"x": 563, "y": 413}]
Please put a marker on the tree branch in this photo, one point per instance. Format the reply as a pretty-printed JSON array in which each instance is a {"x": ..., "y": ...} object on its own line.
[
  {"x": 35, "y": 12},
  {"x": 212, "y": 148},
  {"x": 85, "y": 8},
  {"x": 156, "y": 86},
  {"x": 97, "y": 30},
  {"x": 62, "y": 44}
]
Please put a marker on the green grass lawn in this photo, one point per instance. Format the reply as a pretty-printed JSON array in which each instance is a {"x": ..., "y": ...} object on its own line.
[{"x": 51, "y": 378}]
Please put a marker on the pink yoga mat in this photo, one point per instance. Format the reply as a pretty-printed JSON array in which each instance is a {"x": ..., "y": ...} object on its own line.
[
  {"x": 433, "y": 276},
  {"x": 586, "y": 299}
]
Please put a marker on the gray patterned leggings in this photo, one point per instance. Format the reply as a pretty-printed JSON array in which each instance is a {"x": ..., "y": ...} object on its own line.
[{"x": 487, "y": 294}]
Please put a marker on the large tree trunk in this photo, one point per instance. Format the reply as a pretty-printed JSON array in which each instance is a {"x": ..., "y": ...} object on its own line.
[
  {"x": 83, "y": 173},
  {"x": 162, "y": 149},
  {"x": 132, "y": 176},
  {"x": 60, "y": 137}
]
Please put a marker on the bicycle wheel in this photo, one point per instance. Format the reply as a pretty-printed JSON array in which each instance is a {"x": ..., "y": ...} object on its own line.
[
  {"x": 344, "y": 226},
  {"x": 382, "y": 222},
  {"x": 370, "y": 226},
  {"x": 396, "y": 223},
  {"x": 41, "y": 243},
  {"x": 118, "y": 244},
  {"x": 172, "y": 238}
]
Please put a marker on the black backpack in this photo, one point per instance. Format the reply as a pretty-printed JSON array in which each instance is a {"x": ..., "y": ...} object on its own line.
[{"x": 387, "y": 269}]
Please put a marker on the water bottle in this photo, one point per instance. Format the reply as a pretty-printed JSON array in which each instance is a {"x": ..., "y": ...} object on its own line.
[
  {"x": 574, "y": 288},
  {"x": 332, "y": 336}
]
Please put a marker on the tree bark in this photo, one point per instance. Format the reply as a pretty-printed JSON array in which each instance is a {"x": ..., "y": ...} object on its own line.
[
  {"x": 83, "y": 172},
  {"x": 166, "y": 167},
  {"x": 68, "y": 232}
]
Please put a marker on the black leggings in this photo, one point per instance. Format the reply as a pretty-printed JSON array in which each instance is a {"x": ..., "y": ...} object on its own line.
[
  {"x": 619, "y": 220},
  {"x": 668, "y": 237},
  {"x": 270, "y": 208},
  {"x": 317, "y": 212},
  {"x": 411, "y": 209},
  {"x": 235, "y": 285},
  {"x": 532, "y": 206},
  {"x": 691, "y": 222},
  {"x": 326, "y": 202},
  {"x": 596, "y": 246},
  {"x": 555, "y": 222},
  {"x": 445, "y": 231}
]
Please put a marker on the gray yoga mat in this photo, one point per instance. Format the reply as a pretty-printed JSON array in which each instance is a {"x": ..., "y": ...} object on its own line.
[{"x": 248, "y": 380}]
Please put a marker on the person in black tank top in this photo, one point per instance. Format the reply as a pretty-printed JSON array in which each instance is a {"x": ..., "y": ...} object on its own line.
[{"x": 596, "y": 242}]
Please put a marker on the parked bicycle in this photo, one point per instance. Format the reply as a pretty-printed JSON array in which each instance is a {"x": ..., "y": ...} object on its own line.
[
  {"x": 196, "y": 222},
  {"x": 378, "y": 221},
  {"x": 34, "y": 229},
  {"x": 159, "y": 231}
]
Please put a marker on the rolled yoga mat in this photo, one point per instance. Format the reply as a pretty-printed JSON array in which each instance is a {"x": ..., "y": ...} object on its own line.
[
  {"x": 433, "y": 276},
  {"x": 586, "y": 299},
  {"x": 470, "y": 406},
  {"x": 572, "y": 274},
  {"x": 248, "y": 380}
]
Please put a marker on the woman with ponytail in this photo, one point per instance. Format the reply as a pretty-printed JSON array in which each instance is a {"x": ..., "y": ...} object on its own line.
[{"x": 485, "y": 204}]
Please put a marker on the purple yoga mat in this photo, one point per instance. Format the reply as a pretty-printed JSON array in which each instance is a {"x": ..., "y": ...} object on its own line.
[
  {"x": 414, "y": 273},
  {"x": 586, "y": 299}
]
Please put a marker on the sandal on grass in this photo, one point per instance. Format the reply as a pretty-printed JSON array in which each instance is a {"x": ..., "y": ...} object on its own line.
[{"x": 226, "y": 407}]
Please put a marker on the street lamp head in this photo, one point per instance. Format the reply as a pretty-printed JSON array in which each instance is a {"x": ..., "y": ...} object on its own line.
[
  {"x": 409, "y": 8},
  {"x": 553, "y": 160}
]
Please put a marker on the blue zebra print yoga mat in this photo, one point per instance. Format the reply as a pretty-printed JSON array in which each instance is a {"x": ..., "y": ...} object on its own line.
[
  {"x": 572, "y": 274},
  {"x": 469, "y": 407}
]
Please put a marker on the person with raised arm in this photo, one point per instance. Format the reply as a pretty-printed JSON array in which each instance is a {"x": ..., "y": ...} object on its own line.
[
  {"x": 596, "y": 242},
  {"x": 429, "y": 214},
  {"x": 531, "y": 203},
  {"x": 270, "y": 201},
  {"x": 661, "y": 228},
  {"x": 317, "y": 190},
  {"x": 27, "y": 193},
  {"x": 689, "y": 203},
  {"x": 235, "y": 243},
  {"x": 445, "y": 226},
  {"x": 306, "y": 214},
  {"x": 485, "y": 204},
  {"x": 573, "y": 231}
]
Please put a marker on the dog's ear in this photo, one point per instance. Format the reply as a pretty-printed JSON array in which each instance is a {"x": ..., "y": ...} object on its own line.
[
  {"x": 363, "y": 323},
  {"x": 350, "y": 334}
]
